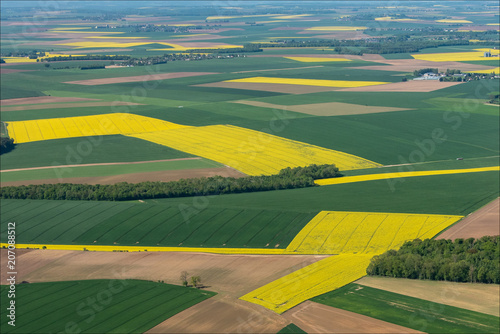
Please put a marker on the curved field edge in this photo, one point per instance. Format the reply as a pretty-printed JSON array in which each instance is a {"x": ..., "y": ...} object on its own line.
[
  {"x": 97, "y": 306},
  {"x": 408, "y": 311}
]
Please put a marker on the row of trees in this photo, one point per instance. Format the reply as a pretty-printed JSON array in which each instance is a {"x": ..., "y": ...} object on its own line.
[
  {"x": 470, "y": 260},
  {"x": 289, "y": 178}
]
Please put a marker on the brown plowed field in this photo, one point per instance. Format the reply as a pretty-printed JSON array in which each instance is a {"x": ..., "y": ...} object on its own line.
[
  {"x": 485, "y": 221},
  {"x": 318, "y": 318},
  {"x": 163, "y": 176},
  {"x": 232, "y": 275},
  {"x": 408, "y": 86},
  {"x": 137, "y": 78},
  {"x": 325, "y": 109},
  {"x": 71, "y": 105},
  {"x": 268, "y": 87},
  {"x": 484, "y": 298},
  {"x": 223, "y": 315},
  {"x": 11, "y": 70},
  {"x": 42, "y": 99}
]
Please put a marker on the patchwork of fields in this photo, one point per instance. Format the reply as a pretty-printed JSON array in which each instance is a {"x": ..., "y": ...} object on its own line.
[{"x": 157, "y": 93}]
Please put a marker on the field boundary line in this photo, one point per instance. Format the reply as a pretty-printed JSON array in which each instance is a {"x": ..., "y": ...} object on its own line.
[{"x": 279, "y": 69}]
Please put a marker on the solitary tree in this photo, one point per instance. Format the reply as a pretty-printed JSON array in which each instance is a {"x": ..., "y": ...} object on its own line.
[
  {"x": 184, "y": 276},
  {"x": 195, "y": 280}
]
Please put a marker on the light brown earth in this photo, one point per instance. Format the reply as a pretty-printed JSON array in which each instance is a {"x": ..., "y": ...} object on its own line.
[
  {"x": 318, "y": 318},
  {"x": 71, "y": 105},
  {"x": 42, "y": 99},
  {"x": 163, "y": 176},
  {"x": 410, "y": 65},
  {"x": 324, "y": 109},
  {"x": 223, "y": 315},
  {"x": 485, "y": 221},
  {"x": 11, "y": 70},
  {"x": 232, "y": 275},
  {"x": 484, "y": 298},
  {"x": 269, "y": 87},
  {"x": 161, "y": 76},
  {"x": 408, "y": 86}
]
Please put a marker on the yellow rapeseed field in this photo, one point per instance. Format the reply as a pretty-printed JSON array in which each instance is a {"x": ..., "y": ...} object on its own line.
[
  {"x": 318, "y": 278},
  {"x": 251, "y": 152},
  {"x": 309, "y": 82},
  {"x": 336, "y": 28},
  {"x": 455, "y": 56},
  {"x": 386, "y": 176},
  {"x": 332, "y": 232},
  {"x": 107, "y": 124},
  {"x": 453, "y": 21},
  {"x": 356, "y": 237},
  {"x": 97, "y": 248},
  {"x": 316, "y": 59}
]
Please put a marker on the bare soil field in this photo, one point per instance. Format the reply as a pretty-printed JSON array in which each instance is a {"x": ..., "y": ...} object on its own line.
[
  {"x": 318, "y": 318},
  {"x": 484, "y": 298},
  {"x": 269, "y": 87},
  {"x": 162, "y": 176},
  {"x": 137, "y": 78},
  {"x": 232, "y": 275},
  {"x": 71, "y": 105},
  {"x": 408, "y": 86},
  {"x": 223, "y": 315},
  {"x": 325, "y": 109},
  {"x": 42, "y": 99},
  {"x": 11, "y": 70},
  {"x": 485, "y": 221},
  {"x": 410, "y": 65}
]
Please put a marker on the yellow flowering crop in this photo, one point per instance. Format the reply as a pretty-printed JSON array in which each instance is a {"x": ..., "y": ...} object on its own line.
[
  {"x": 251, "y": 152},
  {"x": 318, "y": 278},
  {"x": 107, "y": 124},
  {"x": 453, "y": 21},
  {"x": 386, "y": 176},
  {"x": 316, "y": 59},
  {"x": 115, "y": 248},
  {"x": 455, "y": 56},
  {"x": 356, "y": 237},
  {"x": 332, "y": 232},
  {"x": 309, "y": 82}
]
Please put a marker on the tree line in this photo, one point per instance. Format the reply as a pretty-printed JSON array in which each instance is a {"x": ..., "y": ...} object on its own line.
[
  {"x": 469, "y": 260},
  {"x": 288, "y": 178},
  {"x": 6, "y": 145}
]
